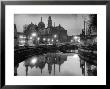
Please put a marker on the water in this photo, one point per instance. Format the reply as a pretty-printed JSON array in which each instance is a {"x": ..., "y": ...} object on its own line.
[{"x": 55, "y": 64}]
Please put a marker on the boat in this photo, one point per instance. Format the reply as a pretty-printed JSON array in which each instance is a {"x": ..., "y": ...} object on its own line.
[{"x": 87, "y": 49}]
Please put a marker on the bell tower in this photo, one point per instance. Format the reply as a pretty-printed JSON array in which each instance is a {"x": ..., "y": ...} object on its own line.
[{"x": 49, "y": 22}]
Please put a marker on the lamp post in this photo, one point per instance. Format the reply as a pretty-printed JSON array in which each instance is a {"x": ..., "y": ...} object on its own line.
[
  {"x": 48, "y": 40},
  {"x": 55, "y": 36},
  {"x": 38, "y": 39},
  {"x": 52, "y": 41},
  {"x": 33, "y": 36},
  {"x": 44, "y": 39}
]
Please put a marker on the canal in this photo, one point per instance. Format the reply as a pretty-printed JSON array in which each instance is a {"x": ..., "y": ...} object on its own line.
[{"x": 54, "y": 64}]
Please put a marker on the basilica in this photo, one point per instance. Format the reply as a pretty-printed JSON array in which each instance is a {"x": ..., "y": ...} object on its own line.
[{"x": 50, "y": 32}]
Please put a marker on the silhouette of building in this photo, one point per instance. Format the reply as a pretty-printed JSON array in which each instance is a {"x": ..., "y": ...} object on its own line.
[
  {"x": 53, "y": 33},
  {"x": 41, "y": 25},
  {"x": 15, "y": 35},
  {"x": 49, "y": 22}
]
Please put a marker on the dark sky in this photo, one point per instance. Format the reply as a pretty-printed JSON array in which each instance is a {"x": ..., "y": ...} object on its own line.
[{"x": 73, "y": 23}]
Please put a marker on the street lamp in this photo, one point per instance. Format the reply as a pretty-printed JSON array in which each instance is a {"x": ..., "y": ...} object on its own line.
[
  {"x": 75, "y": 37},
  {"x": 78, "y": 40},
  {"x": 44, "y": 39},
  {"x": 55, "y": 36},
  {"x": 38, "y": 38},
  {"x": 21, "y": 37},
  {"x": 34, "y": 35},
  {"x": 52, "y": 40},
  {"x": 30, "y": 37},
  {"x": 48, "y": 39},
  {"x": 71, "y": 40}
]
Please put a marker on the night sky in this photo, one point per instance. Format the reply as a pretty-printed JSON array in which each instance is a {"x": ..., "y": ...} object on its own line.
[{"x": 73, "y": 23}]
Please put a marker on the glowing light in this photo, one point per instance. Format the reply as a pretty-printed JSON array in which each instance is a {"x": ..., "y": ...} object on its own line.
[
  {"x": 21, "y": 36},
  {"x": 30, "y": 37},
  {"x": 33, "y": 34},
  {"x": 22, "y": 41},
  {"x": 33, "y": 60},
  {"x": 48, "y": 39},
  {"x": 75, "y": 55},
  {"x": 55, "y": 36},
  {"x": 52, "y": 40},
  {"x": 78, "y": 40},
  {"x": 71, "y": 40},
  {"x": 44, "y": 39},
  {"x": 38, "y": 38},
  {"x": 75, "y": 37}
]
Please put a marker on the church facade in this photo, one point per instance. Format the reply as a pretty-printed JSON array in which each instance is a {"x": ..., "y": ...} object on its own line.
[{"x": 44, "y": 34}]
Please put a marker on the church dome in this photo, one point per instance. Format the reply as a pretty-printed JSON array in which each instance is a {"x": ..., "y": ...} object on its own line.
[{"x": 41, "y": 24}]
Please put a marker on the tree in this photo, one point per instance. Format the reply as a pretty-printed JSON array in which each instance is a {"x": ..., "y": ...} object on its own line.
[{"x": 93, "y": 19}]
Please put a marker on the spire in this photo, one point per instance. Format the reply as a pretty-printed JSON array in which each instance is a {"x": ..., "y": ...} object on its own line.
[
  {"x": 49, "y": 22},
  {"x": 49, "y": 18},
  {"x": 41, "y": 19},
  {"x": 59, "y": 25},
  {"x": 54, "y": 24}
]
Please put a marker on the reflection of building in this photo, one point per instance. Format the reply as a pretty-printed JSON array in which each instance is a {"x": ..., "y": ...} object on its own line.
[
  {"x": 87, "y": 68},
  {"x": 40, "y": 61},
  {"x": 26, "y": 69},
  {"x": 15, "y": 69},
  {"x": 49, "y": 68}
]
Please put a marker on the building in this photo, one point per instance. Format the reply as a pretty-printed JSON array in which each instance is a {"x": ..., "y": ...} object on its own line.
[
  {"x": 41, "y": 34},
  {"x": 21, "y": 40}
]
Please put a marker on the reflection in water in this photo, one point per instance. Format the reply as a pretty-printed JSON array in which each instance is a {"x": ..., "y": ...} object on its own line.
[{"x": 58, "y": 64}]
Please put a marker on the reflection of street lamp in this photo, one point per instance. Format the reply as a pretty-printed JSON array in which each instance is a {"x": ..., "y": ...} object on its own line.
[{"x": 34, "y": 60}]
